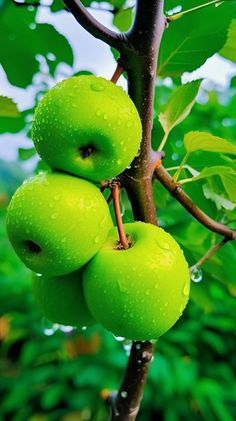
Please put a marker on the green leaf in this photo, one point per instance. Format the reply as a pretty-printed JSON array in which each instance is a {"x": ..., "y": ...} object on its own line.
[
  {"x": 57, "y": 5},
  {"x": 228, "y": 178},
  {"x": 229, "y": 49},
  {"x": 123, "y": 19},
  {"x": 202, "y": 141},
  {"x": 190, "y": 41},
  {"x": 8, "y": 107},
  {"x": 25, "y": 154},
  {"x": 220, "y": 202},
  {"x": 216, "y": 170},
  {"x": 25, "y": 39},
  {"x": 179, "y": 105}
]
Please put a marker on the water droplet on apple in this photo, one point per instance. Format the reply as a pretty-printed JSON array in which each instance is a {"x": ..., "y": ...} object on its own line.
[
  {"x": 119, "y": 161},
  {"x": 57, "y": 197},
  {"x": 54, "y": 215},
  {"x": 186, "y": 289},
  {"x": 84, "y": 328},
  {"x": 196, "y": 274},
  {"x": 119, "y": 338},
  {"x": 181, "y": 309},
  {"x": 147, "y": 292},
  {"x": 96, "y": 239},
  {"x": 97, "y": 87},
  {"x": 105, "y": 116},
  {"x": 128, "y": 124}
]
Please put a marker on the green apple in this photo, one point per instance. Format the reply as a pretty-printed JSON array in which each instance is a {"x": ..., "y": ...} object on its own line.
[
  {"x": 61, "y": 299},
  {"x": 87, "y": 126},
  {"x": 142, "y": 290},
  {"x": 57, "y": 222}
]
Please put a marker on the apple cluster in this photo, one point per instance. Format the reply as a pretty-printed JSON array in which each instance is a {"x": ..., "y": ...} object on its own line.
[{"x": 87, "y": 130}]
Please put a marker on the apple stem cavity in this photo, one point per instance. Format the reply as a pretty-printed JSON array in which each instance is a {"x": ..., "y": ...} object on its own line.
[
  {"x": 86, "y": 151},
  {"x": 115, "y": 190},
  {"x": 32, "y": 247}
]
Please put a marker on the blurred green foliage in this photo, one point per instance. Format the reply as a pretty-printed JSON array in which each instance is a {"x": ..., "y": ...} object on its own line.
[{"x": 50, "y": 372}]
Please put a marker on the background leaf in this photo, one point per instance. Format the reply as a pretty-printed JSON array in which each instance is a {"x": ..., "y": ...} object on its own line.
[
  {"x": 195, "y": 141},
  {"x": 123, "y": 19},
  {"x": 229, "y": 49},
  {"x": 184, "y": 47},
  {"x": 18, "y": 27},
  {"x": 8, "y": 107},
  {"x": 179, "y": 105}
]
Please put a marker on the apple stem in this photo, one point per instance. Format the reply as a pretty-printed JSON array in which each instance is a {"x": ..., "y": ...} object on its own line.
[
  {"x": 115, "y": 190},
  {"x": 118, "y": 72}
]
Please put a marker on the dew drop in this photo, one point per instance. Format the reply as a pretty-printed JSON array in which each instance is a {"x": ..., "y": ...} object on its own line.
[
  {"x": 32, "y": 26},
  {"x": 186, "y": 289},
  {"x": 127, "y": 348},
  {"x": 66, "y": 329},
  {"x": 147, "y": 292},
  {"x": 57, "y": 197},
  {"x": 119, "y": 338},
  {"x": 49, "y": 328},
  {"x": 97, "y": 87},
  {"x": 181, "y": 309},
  {"x": 196, "y": 274},
  {"x": 124, "y": 394},
  {"x": 119, "y": 161},
  {"x": 96, "y": 239},
  {"x": 54, "y": 216}
]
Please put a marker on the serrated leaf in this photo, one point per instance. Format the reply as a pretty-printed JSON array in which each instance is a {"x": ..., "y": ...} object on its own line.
[
  {"x": 218, "y": 170},
  {"x": 123, "y": 19},
  {"x": 229, "y": 182},
  {"x": 8, "y": 107},
  {"x": 229, "y": 49},
  {"x": 179, "y": 105},
  {"x": 190, "y": 41},
  {"x": 203, "y": 141},
  {"x": 228, "y": 178},
  {"x": 220, "y": 202}
]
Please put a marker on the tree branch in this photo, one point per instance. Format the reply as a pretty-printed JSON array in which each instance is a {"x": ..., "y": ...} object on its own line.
[
  {"x": 176, "y": 191},
  {"x": 210, "y": 253},
  {"x": 92, "y": 25},
  {"x": 140, "y": 60},
  {"x": 126, "y": 405}
]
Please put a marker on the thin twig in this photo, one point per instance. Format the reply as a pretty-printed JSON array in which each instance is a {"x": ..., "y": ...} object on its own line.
[
  {"x": 117, "y": 73},
  {"x": 210, "y": 253},
  {"x": 179, "y": 15},
  {"x": 176, "y": 191},
  {"x": 92, "y": 25},
  {"x": 116, "y": 201}
]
